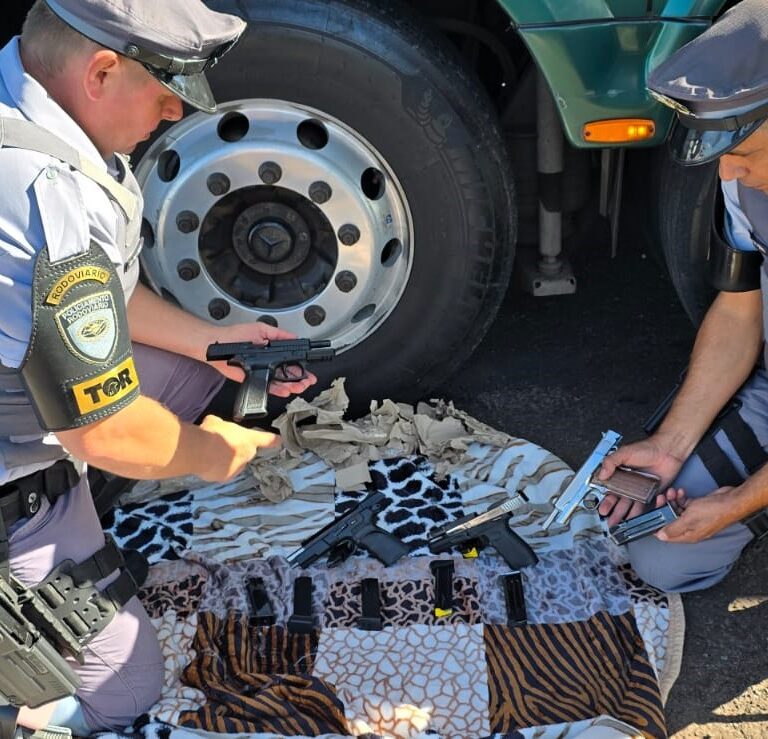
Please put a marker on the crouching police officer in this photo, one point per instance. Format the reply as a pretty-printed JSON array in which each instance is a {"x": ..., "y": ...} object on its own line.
[
  {"x": 711, "y": 445},
  {"x": 93, "y": 365}
]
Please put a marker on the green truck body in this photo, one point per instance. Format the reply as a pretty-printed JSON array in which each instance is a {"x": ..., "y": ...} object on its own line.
[{"x": 596, "y": 55}]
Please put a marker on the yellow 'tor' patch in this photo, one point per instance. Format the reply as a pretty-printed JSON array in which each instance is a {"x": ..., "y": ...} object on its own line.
[
  {"x": 107, "y": 388},
  {"x": 74, "y": 277}
]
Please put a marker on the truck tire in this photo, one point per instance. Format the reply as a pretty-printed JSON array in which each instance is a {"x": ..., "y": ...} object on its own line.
[
  {"x": 686, "y": 206},
  {"x": 354, "y": 186}
]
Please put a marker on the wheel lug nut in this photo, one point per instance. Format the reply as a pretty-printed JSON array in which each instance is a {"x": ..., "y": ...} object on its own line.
[
  {"x": 218, "y": 309},
  {"x": 320, "y": 192},
  {"x": 188, "y": 269},
  {"x": 346, "y": 281},
  {"x": 270, "y": 173},
  {"x": 218, "y": 184},
  {"x": 187, "y": 221},
  {"x": 314, "y": 315},
  {"x": 269, "y": 320},
  {"x": 349, "y": 235}
]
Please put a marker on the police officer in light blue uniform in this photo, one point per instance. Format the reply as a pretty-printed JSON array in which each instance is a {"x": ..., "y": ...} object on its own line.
[
  {"x": 711, "y": 446},
  {"x": 94, "y": 367}
]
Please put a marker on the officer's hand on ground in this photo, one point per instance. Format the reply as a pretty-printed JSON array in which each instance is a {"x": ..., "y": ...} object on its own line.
[
  {"x": 261, "y": 333},
  {"x": 650, "y": 455},
  {"x": 238, "y": 445},
  {"x": 701, "y": 518}
]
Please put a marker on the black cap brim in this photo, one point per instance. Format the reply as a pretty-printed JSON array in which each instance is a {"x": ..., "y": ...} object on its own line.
[
  {"x": 191, "y": 88},
  {"x": 691, "y": 147}
]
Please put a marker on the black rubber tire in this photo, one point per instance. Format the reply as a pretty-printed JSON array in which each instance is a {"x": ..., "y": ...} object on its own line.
[
  {"x": 686, "y": 207},
  {"x": 12, "y": 18},
  {"x": 376, "y": 67}
]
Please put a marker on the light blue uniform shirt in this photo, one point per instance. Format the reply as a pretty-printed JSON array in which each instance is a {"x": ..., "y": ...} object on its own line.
[
  {"x": 42, "y": 202},
  {"x": 737, "y": 227}
]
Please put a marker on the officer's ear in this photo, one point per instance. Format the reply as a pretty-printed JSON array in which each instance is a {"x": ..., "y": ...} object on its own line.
[{"x": 102, "y": 71}]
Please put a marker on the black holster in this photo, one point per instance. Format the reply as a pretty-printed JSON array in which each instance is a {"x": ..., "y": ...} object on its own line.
[{"x": 732, "y": 270}]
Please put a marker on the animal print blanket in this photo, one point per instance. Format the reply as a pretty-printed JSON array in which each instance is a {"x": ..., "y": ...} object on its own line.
[{"x": 598, "y": 643}]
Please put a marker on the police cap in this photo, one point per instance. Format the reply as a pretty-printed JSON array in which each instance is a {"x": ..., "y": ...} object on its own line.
[
  {"x": 717, "y": 84},
  {"x": 175, "y": 40}
]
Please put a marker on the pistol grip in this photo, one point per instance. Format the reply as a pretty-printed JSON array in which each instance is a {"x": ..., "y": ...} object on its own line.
[
  {"x": 251, "y": 401},
  {"x": 385, "y": 547},
  {"x": 515, "y": 551}
]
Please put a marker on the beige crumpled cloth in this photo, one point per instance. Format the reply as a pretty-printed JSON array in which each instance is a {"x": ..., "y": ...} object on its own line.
[
  {"x": 437, "y": 431},
  {"x": 318, "y": 428}
]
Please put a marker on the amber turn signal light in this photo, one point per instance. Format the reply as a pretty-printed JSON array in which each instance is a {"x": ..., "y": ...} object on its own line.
[{"x": 619, "y": 130}]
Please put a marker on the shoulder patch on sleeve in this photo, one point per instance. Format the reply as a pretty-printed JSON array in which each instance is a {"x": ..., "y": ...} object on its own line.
[
  {"x": 62, "y": 212},
  {"x": 78, "y": 367}
]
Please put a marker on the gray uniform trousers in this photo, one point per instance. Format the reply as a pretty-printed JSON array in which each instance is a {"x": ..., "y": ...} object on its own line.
[
  {"x": 123, "y": 671},
  {"x": 686, "y": 567}
]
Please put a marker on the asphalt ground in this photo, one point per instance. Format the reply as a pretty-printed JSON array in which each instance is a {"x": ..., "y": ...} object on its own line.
[{"x": 560, "y": 371}]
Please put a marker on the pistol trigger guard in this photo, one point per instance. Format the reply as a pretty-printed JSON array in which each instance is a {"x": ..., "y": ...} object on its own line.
[
  {"x": 282, "y": 372},
  {"x": 471, "y": 548},
  {"x": 591, "y": 502},
  {"x": 341, "y": 552}
]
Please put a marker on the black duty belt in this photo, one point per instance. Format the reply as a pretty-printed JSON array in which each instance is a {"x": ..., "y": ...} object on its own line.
[{"x": 22, "y": 498}]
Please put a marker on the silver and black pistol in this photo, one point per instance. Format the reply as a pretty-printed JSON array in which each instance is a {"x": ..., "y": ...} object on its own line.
[
  {"x": 586, "y": 491},
  {"x": 486, "y": 529}
]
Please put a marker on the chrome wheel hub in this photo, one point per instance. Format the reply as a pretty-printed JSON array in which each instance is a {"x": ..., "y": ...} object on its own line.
[{"x": 272, "y": 211}]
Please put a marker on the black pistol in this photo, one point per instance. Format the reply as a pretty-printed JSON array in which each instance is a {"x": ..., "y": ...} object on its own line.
[
  {"x": 486, "y": 529},
  {"x": 262, "y": 364},
  {"x": 341, "y": 537}
]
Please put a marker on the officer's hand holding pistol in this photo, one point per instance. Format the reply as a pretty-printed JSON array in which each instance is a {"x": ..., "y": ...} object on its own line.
[
  {"x": 294, "y": 382},
  {"x": 262, "y": 365},
  {"x": 652, "y": 455}
]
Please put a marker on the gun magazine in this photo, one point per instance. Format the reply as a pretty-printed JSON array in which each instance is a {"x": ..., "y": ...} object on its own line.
[{"x": 642, "y": 525}]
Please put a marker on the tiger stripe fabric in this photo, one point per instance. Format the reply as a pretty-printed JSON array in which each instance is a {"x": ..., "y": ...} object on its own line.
[
  {"x": 265, "y": 679},
  {"x": 557, "y": 673},
  {"x": 256, "y": 679}
]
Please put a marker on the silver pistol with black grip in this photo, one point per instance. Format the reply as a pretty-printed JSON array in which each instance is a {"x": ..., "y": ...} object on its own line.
[
  {"x": 280, "y": 360},
  {"x": 355, "y": 529},
  {"x": 486, "y": 529},
  {"x": 586, "y": 491}
]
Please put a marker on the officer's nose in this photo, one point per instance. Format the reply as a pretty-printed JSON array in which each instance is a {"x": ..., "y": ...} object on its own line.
[{"x": 731, "y": 168}]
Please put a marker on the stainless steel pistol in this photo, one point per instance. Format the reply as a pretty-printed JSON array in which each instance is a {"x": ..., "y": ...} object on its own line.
[{"x": 586, "y": 491}]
